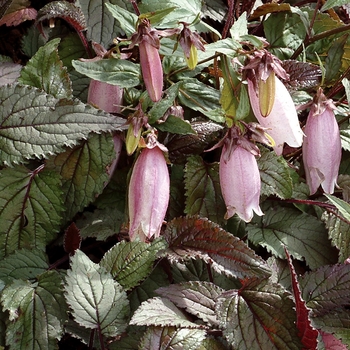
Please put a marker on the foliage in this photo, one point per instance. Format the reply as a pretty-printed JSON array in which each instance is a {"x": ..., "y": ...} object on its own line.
[{"x": 69, "y": 273}]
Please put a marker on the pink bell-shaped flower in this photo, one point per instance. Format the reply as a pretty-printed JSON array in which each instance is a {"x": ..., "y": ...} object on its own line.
[
  {"x": 240, "y": 179},
  {"x": 149, "y": 191},
  {"x": 282, "y": 123},
  {"x": 322, "y": 146}
]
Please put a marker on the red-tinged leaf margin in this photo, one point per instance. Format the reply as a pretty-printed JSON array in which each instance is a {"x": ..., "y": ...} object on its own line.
[
  {"x": 71, "y": 239},
  {"x": 194, "y": 237},
  {"x": 307, "y": 333},
  {"x": 18, "y": 17}
]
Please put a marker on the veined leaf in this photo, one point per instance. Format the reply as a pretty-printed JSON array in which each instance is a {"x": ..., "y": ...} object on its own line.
[
  {"x": 341, "y": 205},
  {"x": 45, "y": 71},
  {"x": 24, "y": 264},
  {"x": 131, "y": 262},
  {"x": 194, "y": 237},
  {"x": 83, "y": 170},
  {"x": 327, "y": 288},
  {"x": 332, "y": 3},
  {"x": 37, "y": 310},
  {"x": 35, "y": 124},
  {"x": 259, "y": 313},
  {"x": 198, "y": 298},
  {"x": 161, "y": 312},
  {"x": 172, "y": 338},
  {"x": 9, "y": 72},
  {"x": 203, "y": 193},
  {"x": 96, "y": 300},
  {"x": 176, "y": 125},
  {"x": 301, "y": 234},
  {"x": 30, "y": 208}
]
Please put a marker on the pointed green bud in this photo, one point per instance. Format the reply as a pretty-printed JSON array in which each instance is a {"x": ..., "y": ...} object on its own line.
[
  {"x": 132, "y": 140},
  {"x": 267, "y": 91},
  {"x": 193, "y": 59}
]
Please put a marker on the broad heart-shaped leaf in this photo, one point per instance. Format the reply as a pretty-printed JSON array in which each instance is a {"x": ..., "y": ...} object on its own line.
[
  {"x": 30, "y": 208},
  {"x": 198, "y": 298},
  {"x": 37, "y": 312},
  {"x": 83, "y": 170},
  {"x": 23, "y": 264},
  {"x": 172, "y": 338},
  {"x": 326, "y": 288},
  {"x": 301, "y": 234},
  {"x": 96, "y": 300},
  {"x": 260, "y": 315},
  {"x": 161, "y": 312},
  {"x": 307, "y": 333},
  {"x": 35, "y": 124},
  {"x": 274, "y": 173},
  {"x": 203, "y": 193},
  {"x": 131, "y": 262},
  {"x": 195, "y": 237},
  {"x": 113, "y": 71},
  {"x": 339, "y": 234},
  {"x": 45, "y": 71}
]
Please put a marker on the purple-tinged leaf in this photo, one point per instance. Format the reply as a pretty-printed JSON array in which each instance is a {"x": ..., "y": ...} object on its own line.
[
  {"x": 9, "y": 72},
  {"x": 195, "y": 237},
  {"x": 331, "y": 342},
  {"x": 260, "y": 315},
  {"x": 71, "y": 239},
  {"x": 19, "y": 16},
  {"x": 198, "y": 298},
  {"x": 307, "y": 333},
  {"x": 326, "y": 288}
]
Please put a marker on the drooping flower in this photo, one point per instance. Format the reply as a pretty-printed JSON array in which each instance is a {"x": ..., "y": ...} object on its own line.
[
  {"x": 149, "y": 191},
  {"x": 322, "y": 145},
  {"x": 271, "y": 102},
  {"x": 239, "y": 177}
]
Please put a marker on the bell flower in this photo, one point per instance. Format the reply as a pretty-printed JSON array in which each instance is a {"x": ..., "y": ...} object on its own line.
[
  {"x": 148, "y": 195},
  {"x": 322, "y": 146},
  {"x": 240, "y": 179}
]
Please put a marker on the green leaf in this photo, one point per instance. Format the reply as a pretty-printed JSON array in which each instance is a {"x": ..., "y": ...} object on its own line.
[
  {"x": 30, "y": 208},
  {"x": 197, "y": 298},
  {"x": 202, "y": 98},
  {"x": 37, "y": 312},
  {"x": 24, "y": 264},
  {"x": 194, "y": 237},
  {"x": 240, "y": 27},
  {"x": 96, "y": 300},
  {"x": 301, "y": 234},
  {"x": 341, "y": 205},
  {"x": 327, "y": 288},
  {"x": 333, "y": 60},
  {"x": 35, "y": 124},
  {"x": 261, "y": 313},
  {"x": 127, "y": 20},
  {"x": 172, "y": 338},
  {"x": 9, "y": 72},
  {"x": 45, "y": 71},
  {"x": 160, "y": 312},
  {"x": 176, "y": 125},
  {"x": 274, "y": 173},
  {"x": 131, "y": 262},
  {"x": 157, "y": 17},
  {"x": 203, "y": 193},
  {"x": 346, "y": 84},
  {"x": 111, "y": 70},
  {"x": 83, "y": 170},
  {"x": 333, "y": 3}
]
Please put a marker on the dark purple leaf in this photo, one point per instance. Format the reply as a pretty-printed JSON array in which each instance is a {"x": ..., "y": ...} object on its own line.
[{"x": 72, "y": 239}]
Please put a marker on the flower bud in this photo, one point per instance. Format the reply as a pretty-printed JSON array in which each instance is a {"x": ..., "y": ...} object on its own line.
[
  {"x": 282, "y": 122},
  {"x": 149, "y": 191},
  {"x": 322, "y": 147},
  {"x": 240, "y": 183}
]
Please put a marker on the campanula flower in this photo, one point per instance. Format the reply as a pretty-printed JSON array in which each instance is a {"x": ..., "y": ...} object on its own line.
[{"x": 322, "y": 145}]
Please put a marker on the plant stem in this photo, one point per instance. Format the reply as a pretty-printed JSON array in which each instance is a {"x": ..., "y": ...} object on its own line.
[{"x": 228, "y": 24}]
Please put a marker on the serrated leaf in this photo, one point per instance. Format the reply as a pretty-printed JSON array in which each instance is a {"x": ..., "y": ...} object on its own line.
[
  {"x": 96, "y": 300},
  {"x": 131, "y": 262},
  {"x": 30, "y": 208},
  {"x": 303, "y": 235},
  {"x": 171, "y": 338},
  {"x": 71, "y": 239},
  {"x": 24, "y": 264},
  {"x": 215, "y": 9},
  {"x": 37, "y": 310},
  {"x": 332, "y": 3},
  {"x": 198, "y": 298},
  {"x": 113, "y": 71},
  {"x": 203, "y": 193},
  {"x": 274, "y": 173},
  {"x": 45, "y": 71},
  {"x": 341, "y": 205},
  {"x": 194, "y": 237},
  {"x": 9, "y": 72},
  {"x": 35, "y": 124},
  {"x": 259, "y": 314},
  {"x": 327, "y": 288},
  {"x": 161, "y": 312},
  {"x": 83, "y": 170},
  {"x": 333, "y": 60}
]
